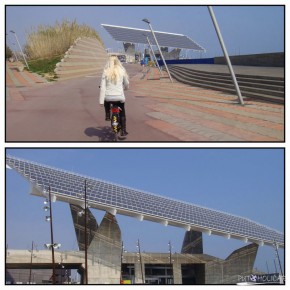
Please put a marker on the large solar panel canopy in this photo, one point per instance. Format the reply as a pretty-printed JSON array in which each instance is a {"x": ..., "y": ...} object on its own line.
[
  {"x": 165, "y": 39},
  {"x": 70, "y": 187}
]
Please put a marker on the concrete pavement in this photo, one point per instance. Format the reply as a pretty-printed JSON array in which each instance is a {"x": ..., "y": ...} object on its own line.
[{"x": 156, "y": 111}]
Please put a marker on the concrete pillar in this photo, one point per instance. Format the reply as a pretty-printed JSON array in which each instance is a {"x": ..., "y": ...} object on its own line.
[
  {"x": 138, "y": 273},
  {"x": 104, "y": 253},
  {"x": 78, "y": 217},
  {"x": 177, "y": 274},
  {"x": 192, "y": 243}
]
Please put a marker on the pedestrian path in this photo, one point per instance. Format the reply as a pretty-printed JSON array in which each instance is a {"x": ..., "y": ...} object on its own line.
[
  {"x": 17, "y": 80},
  {"x": 196, "y": 114}
]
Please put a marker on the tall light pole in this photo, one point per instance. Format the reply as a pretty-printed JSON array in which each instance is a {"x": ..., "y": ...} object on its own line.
[
  {"x": 154, "y": 56},
  {"x": 148, "y": 22},
  {"x": 20, "y": 47},
  {"x": 278, "y": 257},
  {"x": 122, "y": 251},
  {"x": 15, "y": 55},
  {"x": 170, "y": 259},
  {"x": 226, "y": 55},
  {"x": 140, "y": 260},
  {"x": 86, "y": 247},
  {"x": 52, "y": 245},
  {"x": 51, "y": 237},
  {"x": 31, "y": 263}
]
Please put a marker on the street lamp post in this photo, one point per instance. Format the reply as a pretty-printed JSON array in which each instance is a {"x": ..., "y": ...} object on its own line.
[
  {"x": 20, "y": 47},
  {"x": 30, "y": 271},
  {"x": 226, "y": 55},
  {"x": 154, "y": 56},
  {"x": 122, "y": 251},
  {"x": 171, "y": 260},
  {"x": 148, "y": 22},
  {"x": 15, "y": 55},
  {"x": 86, "y": 248},
  {"x": 140, "y": 260},
  {"x": 278, "y": 257},
  {"x": 51, "y": 237},
  {"x": 52, "y": 245}
]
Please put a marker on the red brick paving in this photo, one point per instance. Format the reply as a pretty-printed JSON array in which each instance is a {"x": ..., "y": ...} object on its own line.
[
  {"x": 264, "y": 121},
  {"x": 185, "y": 113}
]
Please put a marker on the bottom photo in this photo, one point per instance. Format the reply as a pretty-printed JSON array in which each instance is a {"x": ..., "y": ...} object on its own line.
[{"x": 188, "y": 216}]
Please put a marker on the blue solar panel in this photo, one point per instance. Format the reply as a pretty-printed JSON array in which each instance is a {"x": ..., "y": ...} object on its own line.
[
  {"x": 165, "y": 39},
  {"x": 69, "y": 187}
]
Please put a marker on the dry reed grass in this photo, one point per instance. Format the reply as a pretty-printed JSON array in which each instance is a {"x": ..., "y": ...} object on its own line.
[{"x": 50, "y": 41}]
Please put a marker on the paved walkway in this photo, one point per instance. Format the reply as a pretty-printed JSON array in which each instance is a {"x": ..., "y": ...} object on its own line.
[
  {"x": 173, "y": 111},
  {"x": 16, "y": 80},
  {"x": 197, "y": 114}
]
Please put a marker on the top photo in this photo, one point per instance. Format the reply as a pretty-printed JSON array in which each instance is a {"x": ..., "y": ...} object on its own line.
[{"x": 145, "y": 73}]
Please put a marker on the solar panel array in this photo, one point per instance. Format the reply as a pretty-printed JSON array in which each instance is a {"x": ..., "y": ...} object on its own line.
[
  {"x": 165, "y": 39},
  {"x": 67, "y": 185}
]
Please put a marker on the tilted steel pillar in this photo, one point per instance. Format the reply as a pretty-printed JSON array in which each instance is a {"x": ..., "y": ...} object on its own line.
[{"x": 226, "y": 54}]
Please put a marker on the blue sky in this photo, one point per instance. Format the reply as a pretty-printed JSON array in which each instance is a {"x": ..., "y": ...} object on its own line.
[
  {"x": 245, "y": 29},
  {"x": 244, "y": 182}
]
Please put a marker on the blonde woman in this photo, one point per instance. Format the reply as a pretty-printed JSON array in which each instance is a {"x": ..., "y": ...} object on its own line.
[{"x": 114, "y": 81}]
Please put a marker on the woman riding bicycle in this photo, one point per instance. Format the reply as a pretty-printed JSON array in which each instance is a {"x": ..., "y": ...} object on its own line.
[{"x": 114, "y": 81}]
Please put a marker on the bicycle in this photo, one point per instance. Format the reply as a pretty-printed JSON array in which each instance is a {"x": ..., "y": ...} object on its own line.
[{"x": 115, "y": 119}]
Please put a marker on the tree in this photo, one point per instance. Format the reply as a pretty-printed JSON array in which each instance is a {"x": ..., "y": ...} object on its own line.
[{"x": 8, "y": 52}]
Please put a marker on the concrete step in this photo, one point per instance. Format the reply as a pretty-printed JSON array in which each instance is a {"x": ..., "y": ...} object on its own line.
[
  {"x": 89, "y": 41},
  {"x": 89, "y": 46},
  {"x": 214, "y": 73},
  {"x": 62, "y": 70},
  {"x": 277, "y": 81},
  {"x": 249, "y": 87},
  {"x": 85, "y": 57},
  {"x": 250, "y": 82},
  {"x": 78, "y": 74},
  {"x": 70, "y": 64},
  {"x": 79, "y": 70},
  {"x": 77, "y": 52},
  {"x": 258, "y": 94}
]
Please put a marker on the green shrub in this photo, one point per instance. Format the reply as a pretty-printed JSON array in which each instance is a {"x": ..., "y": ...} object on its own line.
[
  {"x": 45, "y": 67},
  {"x": 8, "y": 52}
]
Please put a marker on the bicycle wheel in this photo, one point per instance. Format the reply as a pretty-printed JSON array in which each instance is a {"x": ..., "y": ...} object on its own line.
[{"x": 115, "y": 126}]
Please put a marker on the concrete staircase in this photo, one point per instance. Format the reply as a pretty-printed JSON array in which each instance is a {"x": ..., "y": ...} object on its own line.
[
  {"x": 86, "y": 56},
  {"x": 266, "y": 88}
]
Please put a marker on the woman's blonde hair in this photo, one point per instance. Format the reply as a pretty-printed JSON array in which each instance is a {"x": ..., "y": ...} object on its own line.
[{"x": 114, "y": 69}]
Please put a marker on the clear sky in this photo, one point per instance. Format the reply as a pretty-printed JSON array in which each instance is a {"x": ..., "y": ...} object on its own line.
[
  {"x": 245, "y": 29},
  {"x": 244, "y": 182}
]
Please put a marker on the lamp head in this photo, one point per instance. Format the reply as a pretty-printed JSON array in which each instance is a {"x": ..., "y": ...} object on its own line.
[{"x": 146, "y": 20}]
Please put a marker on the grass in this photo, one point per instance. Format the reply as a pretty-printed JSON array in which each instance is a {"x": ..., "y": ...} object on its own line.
[{"x": 45, "y": 67}]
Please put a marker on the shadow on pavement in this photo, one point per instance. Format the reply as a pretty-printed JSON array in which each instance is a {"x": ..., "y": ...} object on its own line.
[{"x": 104, "y": 134}]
